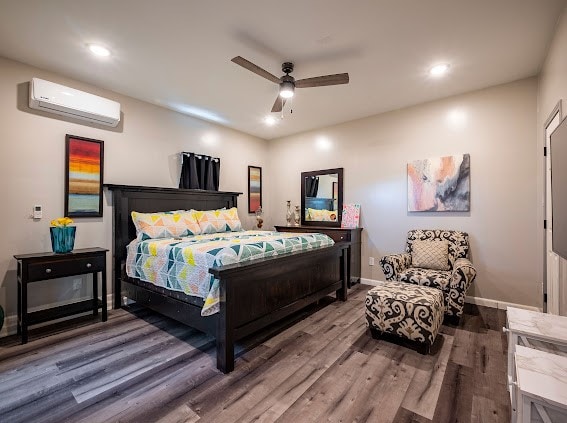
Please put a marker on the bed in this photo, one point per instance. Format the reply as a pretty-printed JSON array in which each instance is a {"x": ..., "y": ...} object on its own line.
[{"x": 252, "y": 295}]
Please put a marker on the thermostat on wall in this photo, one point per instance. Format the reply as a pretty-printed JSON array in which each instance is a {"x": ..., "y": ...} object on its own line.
[{"x": 37, "y": 212}]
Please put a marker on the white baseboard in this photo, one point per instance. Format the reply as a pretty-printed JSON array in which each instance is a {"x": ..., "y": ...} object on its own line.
[
  {"x": 501, "y": 305},
  {"x": 11, "y": 322},
  {"x": 372, "y": 282}
]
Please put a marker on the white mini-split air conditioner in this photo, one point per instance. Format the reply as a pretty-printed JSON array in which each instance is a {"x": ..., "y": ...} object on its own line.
[{"x": 55, "y": 98}]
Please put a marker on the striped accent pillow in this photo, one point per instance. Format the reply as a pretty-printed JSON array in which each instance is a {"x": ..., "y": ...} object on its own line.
[{"x": 430, "y": 255}]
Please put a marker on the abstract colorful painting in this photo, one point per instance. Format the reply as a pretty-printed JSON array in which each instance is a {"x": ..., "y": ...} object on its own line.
[
  {"x": 254, "y": 188},
  {"x": 83, "y": 177},
  {"x": 439, "y": 184}
]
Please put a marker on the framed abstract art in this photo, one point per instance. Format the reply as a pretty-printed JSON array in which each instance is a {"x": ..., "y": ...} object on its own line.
[
  {"x": 254, "y": 188},
  {"x": 439, "y": 184},
  {"x": 84, "y": 164}
]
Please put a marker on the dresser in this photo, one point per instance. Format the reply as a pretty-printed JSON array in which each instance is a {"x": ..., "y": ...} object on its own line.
[{"x": 353, "y": 236}]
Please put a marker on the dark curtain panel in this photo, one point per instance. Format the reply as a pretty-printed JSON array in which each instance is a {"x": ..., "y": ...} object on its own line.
[
  {"x": 199, "y": 172},
  {"x": 311, "y": 186}
]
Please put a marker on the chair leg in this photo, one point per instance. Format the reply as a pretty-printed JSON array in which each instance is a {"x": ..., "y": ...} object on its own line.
[
  {"x": 452, "y": 320},
  {"x": 424, "y": 348},
  {"x": 376, "y": 334}
]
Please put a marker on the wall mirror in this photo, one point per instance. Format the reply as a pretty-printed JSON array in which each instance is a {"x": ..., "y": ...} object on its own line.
[{"x": 322, "y": 197}]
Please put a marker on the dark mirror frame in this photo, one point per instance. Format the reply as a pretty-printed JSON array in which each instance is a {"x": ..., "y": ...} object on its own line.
[{"x": 339, "y": 172}]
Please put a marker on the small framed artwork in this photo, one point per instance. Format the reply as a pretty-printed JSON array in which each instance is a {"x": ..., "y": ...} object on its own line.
[
  {"x": 254, "y": 188},
  {"x": 351, "y": 216},
  {"x": 84, "y": 164}
]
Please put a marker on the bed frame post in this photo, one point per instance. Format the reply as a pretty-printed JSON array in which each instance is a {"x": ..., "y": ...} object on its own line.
[{"x": 225, "y": 330}]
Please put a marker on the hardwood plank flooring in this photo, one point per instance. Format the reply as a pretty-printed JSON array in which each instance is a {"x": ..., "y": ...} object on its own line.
[{"x": 320, "y": 365}]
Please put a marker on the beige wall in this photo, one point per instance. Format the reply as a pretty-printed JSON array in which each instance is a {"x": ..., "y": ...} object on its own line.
[
  {"x": 144, "y": 152},
  {"x": 497, "y": 126},
  {"x": 552, "y": 88}
]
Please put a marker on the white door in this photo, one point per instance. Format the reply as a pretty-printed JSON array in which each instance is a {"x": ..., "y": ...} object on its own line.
[{"x": 553, "y": 265}]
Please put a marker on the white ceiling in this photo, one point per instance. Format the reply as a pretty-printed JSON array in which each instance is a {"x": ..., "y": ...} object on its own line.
[{"x": 177, "y": 53}]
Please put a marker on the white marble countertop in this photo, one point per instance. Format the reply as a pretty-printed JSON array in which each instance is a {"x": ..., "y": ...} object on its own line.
[
  {"x": 542, "y": 376},
  {"x": 540, "y": 325}
]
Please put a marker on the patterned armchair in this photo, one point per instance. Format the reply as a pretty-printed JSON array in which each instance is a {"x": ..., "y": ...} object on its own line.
[{"x": 454, "y": 283}]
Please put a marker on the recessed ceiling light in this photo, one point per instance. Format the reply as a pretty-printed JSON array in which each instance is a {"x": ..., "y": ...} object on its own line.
[
  {"x": 99, "y": 50},
  {"x": 270, "y": 120},
  {"x": 439, "y": 70}
]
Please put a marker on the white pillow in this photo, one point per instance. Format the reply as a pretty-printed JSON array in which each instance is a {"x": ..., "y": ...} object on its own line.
[{"x": 430, "y": 255}]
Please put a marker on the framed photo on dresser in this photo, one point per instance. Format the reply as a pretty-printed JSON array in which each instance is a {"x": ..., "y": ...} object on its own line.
[{"x": 84, "y": 164}]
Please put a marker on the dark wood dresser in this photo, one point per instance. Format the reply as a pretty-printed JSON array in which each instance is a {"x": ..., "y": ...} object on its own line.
[{"x": 338, "y": 235}]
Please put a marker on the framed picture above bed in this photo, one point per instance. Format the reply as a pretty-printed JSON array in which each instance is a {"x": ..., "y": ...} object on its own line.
[
  {"x": 254, "y": 188},
  {"x": 84, "y": 164}
]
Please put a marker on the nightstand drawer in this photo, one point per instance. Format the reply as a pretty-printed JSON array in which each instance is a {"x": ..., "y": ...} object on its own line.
[{"x": 59, "y": 269}]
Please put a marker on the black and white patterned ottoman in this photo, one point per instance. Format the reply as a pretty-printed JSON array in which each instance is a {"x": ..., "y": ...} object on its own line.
[{"x": 406, "y": 310}]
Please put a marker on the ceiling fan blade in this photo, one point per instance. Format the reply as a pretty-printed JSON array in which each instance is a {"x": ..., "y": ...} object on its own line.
[
  {"x": 256, "y": 69},
  {"x": 321, "y": 81},
  {"x": 278, "y": 104}
]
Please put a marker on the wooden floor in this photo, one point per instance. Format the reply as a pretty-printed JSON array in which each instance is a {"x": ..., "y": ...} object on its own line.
[{"x": 142, "y": 367}]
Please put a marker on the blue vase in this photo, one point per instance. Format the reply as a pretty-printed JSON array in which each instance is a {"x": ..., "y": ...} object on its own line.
[{"x": 62, "y": 238}]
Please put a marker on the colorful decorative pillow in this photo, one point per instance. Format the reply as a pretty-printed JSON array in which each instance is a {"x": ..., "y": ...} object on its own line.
[
  {"x": 321, "y": 215},
  {"x": 222, "y": 220},
  {"x": 430, "y": 255},
  {"x": 171, "y": 224}
]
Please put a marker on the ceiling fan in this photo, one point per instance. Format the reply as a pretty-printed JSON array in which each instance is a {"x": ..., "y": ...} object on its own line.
[{"x": 287, "y": 83}]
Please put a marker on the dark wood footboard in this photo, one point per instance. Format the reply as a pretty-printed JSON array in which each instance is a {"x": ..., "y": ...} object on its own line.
[{"x": 256, "y": 294}]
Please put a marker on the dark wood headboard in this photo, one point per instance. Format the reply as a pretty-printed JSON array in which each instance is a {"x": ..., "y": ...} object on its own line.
[{"x": 128, "y": 198}]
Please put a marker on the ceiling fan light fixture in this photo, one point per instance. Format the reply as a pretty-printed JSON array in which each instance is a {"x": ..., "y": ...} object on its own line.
[
  {"x": 286, "y": 89},
  {"x": 287, "y": 82}
]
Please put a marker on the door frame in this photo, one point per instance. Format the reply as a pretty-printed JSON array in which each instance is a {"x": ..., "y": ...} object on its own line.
[{"x": 557, "y": 110}]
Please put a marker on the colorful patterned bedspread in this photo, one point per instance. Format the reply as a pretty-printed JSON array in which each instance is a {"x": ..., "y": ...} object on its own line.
[{"x": 182, "y": 264}]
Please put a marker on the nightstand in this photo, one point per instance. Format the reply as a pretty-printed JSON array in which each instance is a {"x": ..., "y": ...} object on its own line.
[{"x": 45, "y": 266}]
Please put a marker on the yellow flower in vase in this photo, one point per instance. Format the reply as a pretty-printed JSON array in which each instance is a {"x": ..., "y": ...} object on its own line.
[
  {"x": 62, "y": 222},
  {"x": 62, "y": 235}
]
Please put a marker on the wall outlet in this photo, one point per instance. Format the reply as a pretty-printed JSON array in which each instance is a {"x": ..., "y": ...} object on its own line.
[
  {"x": 77, "y": 283},
  {"x": 371, "y": 261}
]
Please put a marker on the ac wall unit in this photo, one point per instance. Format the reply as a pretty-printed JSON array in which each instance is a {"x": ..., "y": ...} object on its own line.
[{"x": 55, "y": 98}]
